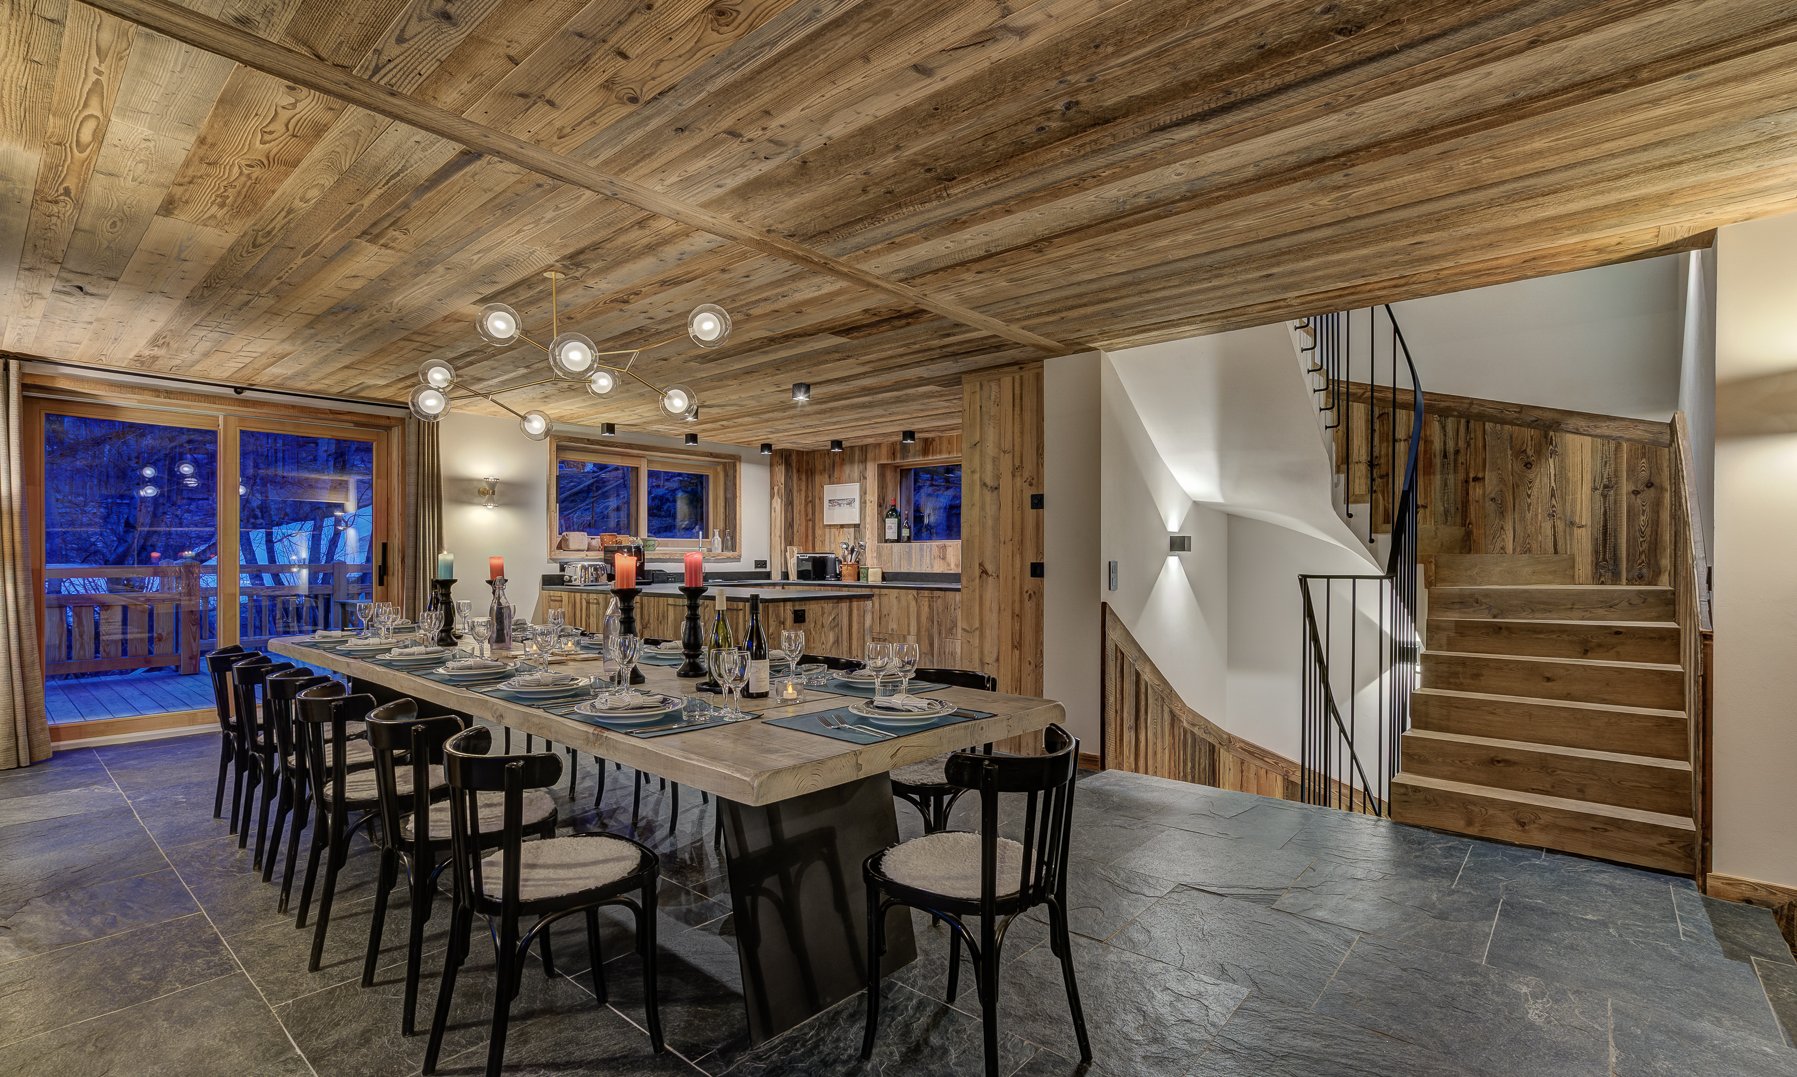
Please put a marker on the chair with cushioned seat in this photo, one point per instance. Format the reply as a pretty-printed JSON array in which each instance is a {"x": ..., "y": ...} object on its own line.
[
  {"x": 415, "y": 832},
  {"x": 544, "y": 880},
  {"x": 247, "y": 680},
  {"x": 924, "y": 785},
  {"x": 233, "y": 747},
  {"x": 278, "y": 694},
  {"x": 325, "y": 712},
  {"x": 985, "y": 880}
]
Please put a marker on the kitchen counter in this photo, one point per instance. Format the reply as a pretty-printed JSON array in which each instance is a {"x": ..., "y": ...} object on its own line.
[
  {"x": 734, "y": 592},
  {"x": 883, "y": 585}
]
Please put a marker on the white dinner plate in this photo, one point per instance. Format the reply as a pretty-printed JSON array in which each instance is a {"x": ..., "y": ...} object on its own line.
[
  {"x": 546, "y": 690},
  {"x": 634, "y": 716},
  {"x": 937, "y": 709}
]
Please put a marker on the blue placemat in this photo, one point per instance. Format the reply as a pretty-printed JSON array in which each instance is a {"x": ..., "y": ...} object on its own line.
[
  {"x": 813, "y": 723},
  {"x": 660, "y": 659},
  {"x": 667, "y": 727},
  {"x": 841, "y": 688}
]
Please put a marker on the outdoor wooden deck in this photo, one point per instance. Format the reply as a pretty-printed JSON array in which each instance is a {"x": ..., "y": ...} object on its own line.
[{"x": 125, "y": 696}]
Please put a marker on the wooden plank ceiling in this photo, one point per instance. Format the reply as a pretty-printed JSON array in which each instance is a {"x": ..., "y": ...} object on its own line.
[{"x": 884, "y": 195}]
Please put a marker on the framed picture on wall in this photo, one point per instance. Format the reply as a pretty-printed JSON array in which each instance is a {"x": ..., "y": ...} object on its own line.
[{"x": 842, "y": 504}]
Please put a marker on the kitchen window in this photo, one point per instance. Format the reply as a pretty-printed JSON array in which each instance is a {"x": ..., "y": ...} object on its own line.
[
  {"x": 931, "y": 496},
  {"x": 678, "y": 499}
]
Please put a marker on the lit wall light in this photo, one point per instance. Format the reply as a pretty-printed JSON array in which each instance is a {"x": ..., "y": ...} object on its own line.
[
  {"x": 767, "y": 448},
  {"x": 488, "y": 491},
  {"x": 1179, "y": 544},
  {"x": 801, "y": 391}
]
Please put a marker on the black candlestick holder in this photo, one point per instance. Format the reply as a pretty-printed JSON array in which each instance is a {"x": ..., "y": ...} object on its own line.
[
  {"x": 626, "y": 597},
  {"x": 692, "y": 637},
  {"x": 442, "y": 598}
]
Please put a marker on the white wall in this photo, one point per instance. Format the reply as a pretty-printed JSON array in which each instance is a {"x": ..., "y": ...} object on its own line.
[
  {"x": 473, "y": 446},
  {"x": 1697, "y": 381},
  {"x": 1603, "y": 340},
  {"x": 1754, "y": 681},
  {"x": 1073, "y": 586}
]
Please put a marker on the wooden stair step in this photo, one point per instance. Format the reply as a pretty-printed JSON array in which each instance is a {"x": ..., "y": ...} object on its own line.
[
  {"x": 1626, "y": 684},
  {"x": 1616, "y": 641},
  {"x": 1643, "y": 730},
  {"x": 1474, "y": 569},
  {"x": 1628, "y": 835},
  {"x": 1602, "y": 777},
  {"x": 1554, "y": 602}
]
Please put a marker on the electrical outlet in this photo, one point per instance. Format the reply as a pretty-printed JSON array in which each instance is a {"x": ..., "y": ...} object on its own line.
[
  {"x": 761, "y": 562},
  {"x": 1113, "y": 575},
  {"x": 1035, "y": 501},
  {"x": 1035, "y": 570},
  {"x": 798, "y": 617}
]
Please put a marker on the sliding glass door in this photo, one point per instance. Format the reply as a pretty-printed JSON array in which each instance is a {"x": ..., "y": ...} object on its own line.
[{"x": 140, "y": 507}]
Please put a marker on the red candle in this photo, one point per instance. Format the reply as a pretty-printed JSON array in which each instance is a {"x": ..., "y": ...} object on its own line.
[
  {"x": 626, "y": 571},
  {"x": 695, "y": 569},
  {"x": 495, "y": 567}
]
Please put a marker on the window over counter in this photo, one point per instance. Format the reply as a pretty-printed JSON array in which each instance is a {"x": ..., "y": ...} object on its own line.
[
  {"x": 676, "y": 498},
  {"x": 927, "y": 495}
]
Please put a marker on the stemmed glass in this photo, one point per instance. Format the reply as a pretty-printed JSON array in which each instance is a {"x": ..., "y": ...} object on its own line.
[
  {"x": 464, "y": 609},
  {"x": 384, "y": 617},
  {"x": 364, "y": 613},
  {"x": 544, "y": 638},
  {"x": 878, "y": 660},
  {"x": 730, "y": 665},
  {"x": 481, "y": 629},
  {"x": 429, "y": 621},
  {"x": 792, "y": 642},
  {"x": 630, "y": 648},
  {"x": 904, "y": 663}
]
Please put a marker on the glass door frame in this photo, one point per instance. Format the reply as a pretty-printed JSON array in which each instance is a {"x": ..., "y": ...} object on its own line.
[{"x": 228, "y": 418}]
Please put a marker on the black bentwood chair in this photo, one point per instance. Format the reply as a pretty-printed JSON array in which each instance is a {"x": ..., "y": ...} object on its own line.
[
  {"x": 247, "y": 684},
  {"x": 986, "y": 879},
  {"x": 415, "y": 833},
  {"x": 925, "y": 785},
  {"x": 232, "y": 747},
  {"x": 545, "y": 880},
  {"x": 278, "y": 694}
]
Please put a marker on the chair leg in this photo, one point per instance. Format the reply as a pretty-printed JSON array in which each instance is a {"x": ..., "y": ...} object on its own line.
[
  {"x": 599, "y": 773},
  {"x": 988, "y": 968},
  {"x": 250, "y": 792},
  {"x": 954, "y": 963},
  {"x": 1057, "y": 926},
  {"x": 876, "y": 928},
  {"x": 240, "y": 777},
  {"x": 266, "y": 803},
  {"x": 548, "y": 957},
  {"x": 334, "y": 858},
  {"x": 283, "y": 808},
  {"x": 423, "y": 894},
  {"x": 596, "y": 952},
  {"x": 318, "y": 847},
  {"x": 674, "y": 807},
  {"x": 461, "y": 926},
  {"x": 383, "y": 886},
  {"x": 293, "y": 840},
  {"x": 508, "y": 958},
  {"x": 573, "y": 772},
  {"x": 224, "y": 766},
  {"x": 646, "y": 931},
  {"x": 636, "y": 800}
]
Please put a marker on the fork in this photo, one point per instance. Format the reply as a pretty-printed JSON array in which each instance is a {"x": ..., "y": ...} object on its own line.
[{"x": 837, "y": 721}]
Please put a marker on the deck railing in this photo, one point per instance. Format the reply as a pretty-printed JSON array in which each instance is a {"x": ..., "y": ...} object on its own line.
[{"x": 171, "y": 619}]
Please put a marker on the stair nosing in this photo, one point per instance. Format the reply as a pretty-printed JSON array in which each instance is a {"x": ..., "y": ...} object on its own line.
[
  {"x": 1543, "y": 800},
  {"x": 1459, "y": 693},
  {"x": 1550, "y": 587},
  {"x": 1450, "y": 616},
  {"x": 1594, "y": 754},
  {"x": 1638, "y": 667}
]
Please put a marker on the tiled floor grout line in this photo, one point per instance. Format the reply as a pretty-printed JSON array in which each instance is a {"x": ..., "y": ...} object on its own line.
[
  {"x": 195, "y": 898},
  {"x": 121, "y": 1009},
  {"x": 1465, "y": 860},
  {"x": 102, "y": 938},
  {"x": 1485, "y": 958}
]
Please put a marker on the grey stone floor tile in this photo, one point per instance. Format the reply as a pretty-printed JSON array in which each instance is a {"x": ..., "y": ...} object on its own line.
[
  {"x": 679, "y": 909},
  {"x": 1650, "y": 1042},
  {"x": 1484, "y": 1017},
  {"x": 276, "y": 954},
  {"x": 99, "y": 795},
  {"x": 918, "y": 1036},
  {"x": 564, "y": 1032},
  {"x": 52, "y": 855},
  {"x": 220, "y": 1026},
  {"x": 1217, "y": 864},
  {"x": 1536, "y": 940},
  {"x": 50, "y": 990},
  {"x": 1593, "y": 889},
  {"x": 67, "y": 769},
  {"x": 1399, "y": 851},
  {"x": 928, "y": 973},
  {"x": 699, "y": 985},
  {"x": 1100, "y": 900},
  {"x": 1406, "y": 906},
  {"x": 1241, "y": 942},
  {"x": 1731, "y": 928},
  {"x": 1265, "y": 1038},
  {"x": 45, "y": 922},
  {"x": 1143, "y": 1017},
  {"x": 179, "y": 814},
  {"x": 1780, "y": 981}
]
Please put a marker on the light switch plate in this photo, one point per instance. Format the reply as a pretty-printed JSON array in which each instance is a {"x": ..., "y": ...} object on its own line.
[
  {"x": 1113, "y": 575},
  {"x": 761, "y": 562}
]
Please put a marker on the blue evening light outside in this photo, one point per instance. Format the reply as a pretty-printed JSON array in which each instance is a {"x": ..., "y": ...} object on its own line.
[
  {"x": 679, "y": 505},
  {"x": 935, "y": 503},
  {"x": 593, "y": 497}
]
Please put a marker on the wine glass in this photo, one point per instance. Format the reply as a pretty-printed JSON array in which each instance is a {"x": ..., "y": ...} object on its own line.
[
  {"x": 630, "y": 648},
  {"x": 544, "y": 637},
  {"x": 792, "y": 645},
  {"x": 428, "y": 623},
  {"x": 878, "y": 661},
  {"x": 464, "y": 609},
  {"x": 364, "y": 613},
  {"x": 904, "y": 663},
  {"x": 731, "y": 668},
  {"x": 481, "y": 629}
]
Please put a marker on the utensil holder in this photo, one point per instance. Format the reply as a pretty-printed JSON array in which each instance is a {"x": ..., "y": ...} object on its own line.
[{"x": 692, "y": 637}]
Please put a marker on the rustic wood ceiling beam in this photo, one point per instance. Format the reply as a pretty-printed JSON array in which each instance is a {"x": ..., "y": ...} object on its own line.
[{"x": 199, "y": 31}]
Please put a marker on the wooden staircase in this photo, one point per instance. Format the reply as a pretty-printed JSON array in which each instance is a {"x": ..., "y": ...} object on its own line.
[{"x": 1550, "y": 713}]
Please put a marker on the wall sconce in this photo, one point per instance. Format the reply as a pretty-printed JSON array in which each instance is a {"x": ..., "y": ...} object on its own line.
[
  {"x": 1179, "y": 544},
  {"x": 487, "y": 491}
]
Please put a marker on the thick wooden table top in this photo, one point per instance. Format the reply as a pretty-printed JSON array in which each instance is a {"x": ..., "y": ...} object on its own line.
[{"x": 748, "y": 762}]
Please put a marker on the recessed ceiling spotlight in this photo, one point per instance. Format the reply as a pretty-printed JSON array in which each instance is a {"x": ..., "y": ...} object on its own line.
[
  {"x": 909, "y": 437},
  {"x": 767, "y": 448},
  {"x": 608, "y": 430},
  {"x": 801, "y": 392},
  {"x": 835, "y": 444},
  {"x": 692, "y": 439}
]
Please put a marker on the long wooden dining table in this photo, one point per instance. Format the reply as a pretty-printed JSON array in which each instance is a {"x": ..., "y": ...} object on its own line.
[{"x": 801, "y": 811}]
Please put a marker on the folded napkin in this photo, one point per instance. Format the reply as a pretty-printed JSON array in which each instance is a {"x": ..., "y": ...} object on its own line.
[
  {"x": 417, "y": 651},
  {"x": 905, "y": 704},
  {"x": 472, "y": 665},
  {"x": 542, "y": 680},
  {"x": 329, "y": 633}
]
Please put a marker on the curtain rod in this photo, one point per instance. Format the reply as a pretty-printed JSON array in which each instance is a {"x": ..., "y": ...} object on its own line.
[{"x": 202, "y": 384}]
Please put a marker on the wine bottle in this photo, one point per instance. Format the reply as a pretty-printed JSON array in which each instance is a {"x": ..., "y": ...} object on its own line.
[
  {"x": 756, "y": 640},
  {"x": 905, "y": 528},
  {"x": 892, "y": 522},
  {"x": 720, "y": 640}
]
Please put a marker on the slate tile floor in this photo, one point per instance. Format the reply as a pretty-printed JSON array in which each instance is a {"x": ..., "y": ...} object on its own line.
[{"x": 1218, "y": 933}]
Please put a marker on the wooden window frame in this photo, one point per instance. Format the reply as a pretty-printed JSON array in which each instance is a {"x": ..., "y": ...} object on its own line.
[
  {"x": 895, "y": 486},
  {"x": 723, "y": 469}
]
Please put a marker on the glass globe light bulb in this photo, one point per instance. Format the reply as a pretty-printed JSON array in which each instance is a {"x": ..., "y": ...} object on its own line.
[
  {"x": 147, "y": 471},
  {"x": 677, "y": 400},
  {"x": 437, "y": 374},
  {"x": 708, "y": 325},
  {"x": 147, "y": 490},
  {"x": 572, "y": 355},
  {"x": 429, "y": 404},
  {"x": 498, "y": 324},
  {"x": 602, "y": 382},
  {"x": 535, "y": 425},
  {"x": 185, "y": 468}
]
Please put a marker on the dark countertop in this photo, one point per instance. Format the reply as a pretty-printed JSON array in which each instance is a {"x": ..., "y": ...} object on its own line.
[
  {"x": 736, "y": 592},
  {"x": 884, "y": 585}
]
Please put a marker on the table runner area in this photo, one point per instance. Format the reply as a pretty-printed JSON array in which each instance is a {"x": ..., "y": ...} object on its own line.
[{"x": 813, "y": 723}]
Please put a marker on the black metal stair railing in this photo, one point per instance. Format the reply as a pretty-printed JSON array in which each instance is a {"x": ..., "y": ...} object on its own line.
[{"x": 1360, "y": 637}]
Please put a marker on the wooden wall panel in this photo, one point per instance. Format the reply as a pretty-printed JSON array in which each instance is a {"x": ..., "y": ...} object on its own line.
[
  {"x": 798, "y": 481},
  {"x": 1001, "y": 603},
  {"x": 1505, "y": 479}
]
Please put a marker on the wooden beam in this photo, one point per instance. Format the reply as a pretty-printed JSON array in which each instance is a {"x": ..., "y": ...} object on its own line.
[{"x": 211, "y": 35}]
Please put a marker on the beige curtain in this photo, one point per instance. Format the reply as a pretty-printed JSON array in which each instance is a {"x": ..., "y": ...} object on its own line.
[
  {"x": 424, "y": 513},
  {"x": 24, "y": 727}
]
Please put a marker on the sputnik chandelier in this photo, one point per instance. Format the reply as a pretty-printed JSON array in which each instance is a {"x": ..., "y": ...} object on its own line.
[{"x": 572, "y": 357}]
